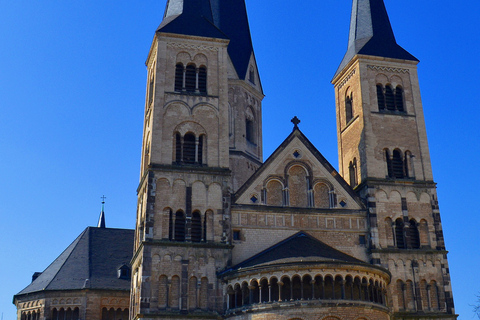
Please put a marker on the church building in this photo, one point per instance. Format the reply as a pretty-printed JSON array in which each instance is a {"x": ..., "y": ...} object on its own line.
[{"x": 222, "y": 234}]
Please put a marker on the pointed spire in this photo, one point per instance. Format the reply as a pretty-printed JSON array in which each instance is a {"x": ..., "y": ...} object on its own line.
[
  {"x": 371, "y": 33},
  {"x": 231, "y": 17},
  {"x": 101, "y": 220},
  {"x": 190, "y": 17}
]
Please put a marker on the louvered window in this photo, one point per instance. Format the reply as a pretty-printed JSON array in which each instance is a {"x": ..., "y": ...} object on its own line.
[
  {"x": 389, "y": 98},
  {"x": 196, "y": 227},
  {"x": 202, "y": 80},
  {"x": 179, "y": 77},
  {"x": 397, "y": 164},
  {"x": 399, "y": 99},
  {"x": 179, "y": 226},
  {"x": 189, "y": 148},
  {"x": 190, "y": 78},
  {"x": 380, "y": 98}
]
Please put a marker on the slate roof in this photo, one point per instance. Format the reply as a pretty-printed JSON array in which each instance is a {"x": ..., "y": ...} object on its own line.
[
  {"x": 190, "y": 17},
  {"x": 371, "y": 33},
  {"x": 215, "y": 19},
  {"x": 90, "y": 262},
  {"x": 301, "y": 247}
]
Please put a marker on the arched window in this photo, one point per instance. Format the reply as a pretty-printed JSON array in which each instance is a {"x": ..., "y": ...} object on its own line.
[
  {"x": 178, "y": 147},
  {"x": 380, "y": 97},
  {"x": 189, "y": 148},
  {"x": 274, "y": 193},
  {"x": 196, "y": 227},
  {"x": 399, "y": 99},
  {"x": 179, "y": 226},
  {"x": 399, "y": 234},
  {"x": 413, "y": 235},
  {"x": 298, "y": 186},
  {"x": 200, "y": 150},
  {"x": 349, "y": 108},
  {"x": 352, "y": 171},
  {"x": 397, "y": 164},
  {"x": 190, "y": 78},
  {"x": 202, "y": 79},
  {"x": 296, "y": 288},
  {"x": 179, "y": 83},
  {"x": 249, "y": 130},
  {"x": 150, "y": 91},
  {"x": 389, "y": 98},
  {"x": 321, "y": 195},
  {"x": 389, "y": 163}
]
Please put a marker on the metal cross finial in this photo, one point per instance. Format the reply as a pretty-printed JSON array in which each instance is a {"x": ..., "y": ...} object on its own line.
[
  {"x": 103, "y": 199},
  {"x": 295, "y": 122}
]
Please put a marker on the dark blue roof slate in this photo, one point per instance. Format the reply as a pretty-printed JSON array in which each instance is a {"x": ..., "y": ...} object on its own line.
[
  {"x": 190, "y": 17},
  {"x": 371, "y": 33},
  {"x": 300, "y": 245},
  {"x": 231, "y": 17},
  {"x": 90, "y": 262}
]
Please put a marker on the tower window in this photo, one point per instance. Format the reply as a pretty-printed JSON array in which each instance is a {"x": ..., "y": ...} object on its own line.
[
  {"x": 397, "y": 164},
  {"x": 399, "y": 234},
  {"x": 399, "y": 99},
  {"x": 352, "y": 170},
  {"x": 389, "y": 98},
  {"x": 380, "y": 97},
  {"x": 179, "y": 226},
  {"x": 179, "y": 83},
  {"x": 150, "y": 91},
  {"x": 249, "y": 130},
  {"x": 202, "y": 80},
  {"x": 190, "y": 78},
  {"x": 349, "y": 108},
  {"x": 196, "y": 227},
  {"x": 250, "y": 126},
  {"x": 413, "y": 235},
  {"x": 189, "y": 149}
]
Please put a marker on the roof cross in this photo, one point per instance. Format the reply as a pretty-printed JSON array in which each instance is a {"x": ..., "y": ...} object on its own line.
[{"x": 295, "y": 122}]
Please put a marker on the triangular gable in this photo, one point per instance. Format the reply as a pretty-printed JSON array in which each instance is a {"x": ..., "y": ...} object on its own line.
[
  {"x": 299, "y": 247},
  {"x": 298, "y": 150}
]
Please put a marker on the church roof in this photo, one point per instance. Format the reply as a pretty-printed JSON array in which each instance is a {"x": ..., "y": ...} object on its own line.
[
  {"x": 90, "y": 262},
  {"x": 231, "y": 17},
  {"x": 371, "y": 33},
  {"x": 190, "y": 17},
  {"x": 215, "y": 19},
  {"x": 301, "y": 247}
]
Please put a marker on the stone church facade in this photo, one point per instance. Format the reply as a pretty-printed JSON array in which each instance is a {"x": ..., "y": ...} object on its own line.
[{"x": 220, "y": 234}]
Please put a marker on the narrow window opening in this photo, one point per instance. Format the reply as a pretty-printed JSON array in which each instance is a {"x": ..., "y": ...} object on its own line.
[
  {"x": 179, "y": 226},
  {"x": 349, "y": 108},
  {"x": 202, "y": 80},
  {"x": 352, "y": 169},
  {"x": 200, "y": 149},
  {"x": 189, "y": 148},
  {"x": 150, "y": 91},
  {"x": 389, "y": 98},
  {"x": 196, "y": 227},
  {"x": 190, "y": 78},
  {"x": 413, "y": 235},
  {"x": 179, "y": 77},
  {"x": 389, "y": 163},
  {"x": 399, "y": 234},
  {"x": 397, "y": 165},
  {"x": 178, "y": 148},
  {"x": 399, "y": 99},
  {"x": 250, "y": 131},
  {"x": 380, "y": 98},
  {"x": 251, "y": 75}
]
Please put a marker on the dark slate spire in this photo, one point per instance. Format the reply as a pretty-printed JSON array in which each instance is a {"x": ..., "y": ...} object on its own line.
[
  {"x": 190, "y": 17},
  {"x": 371, "y": 33},
  {"x": 231, "y": 17},
  {"x": 101, "y": 220}
]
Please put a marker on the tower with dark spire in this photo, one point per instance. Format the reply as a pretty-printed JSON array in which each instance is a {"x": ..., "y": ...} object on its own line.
[
  {"x": 201, "y": 141},
  {"x": 383, "y": 154}
]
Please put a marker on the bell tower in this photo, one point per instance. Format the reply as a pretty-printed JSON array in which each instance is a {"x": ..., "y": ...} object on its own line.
[
  {"x": 201, "y": 138},
  {"x": 383, "y": 154}
]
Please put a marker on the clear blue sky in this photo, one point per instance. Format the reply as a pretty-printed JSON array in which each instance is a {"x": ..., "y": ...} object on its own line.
[{"x": 72, "y": 87}]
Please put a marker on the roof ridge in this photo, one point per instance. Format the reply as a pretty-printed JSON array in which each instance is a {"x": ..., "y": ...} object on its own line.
[{"x": 66, "y": 259}]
